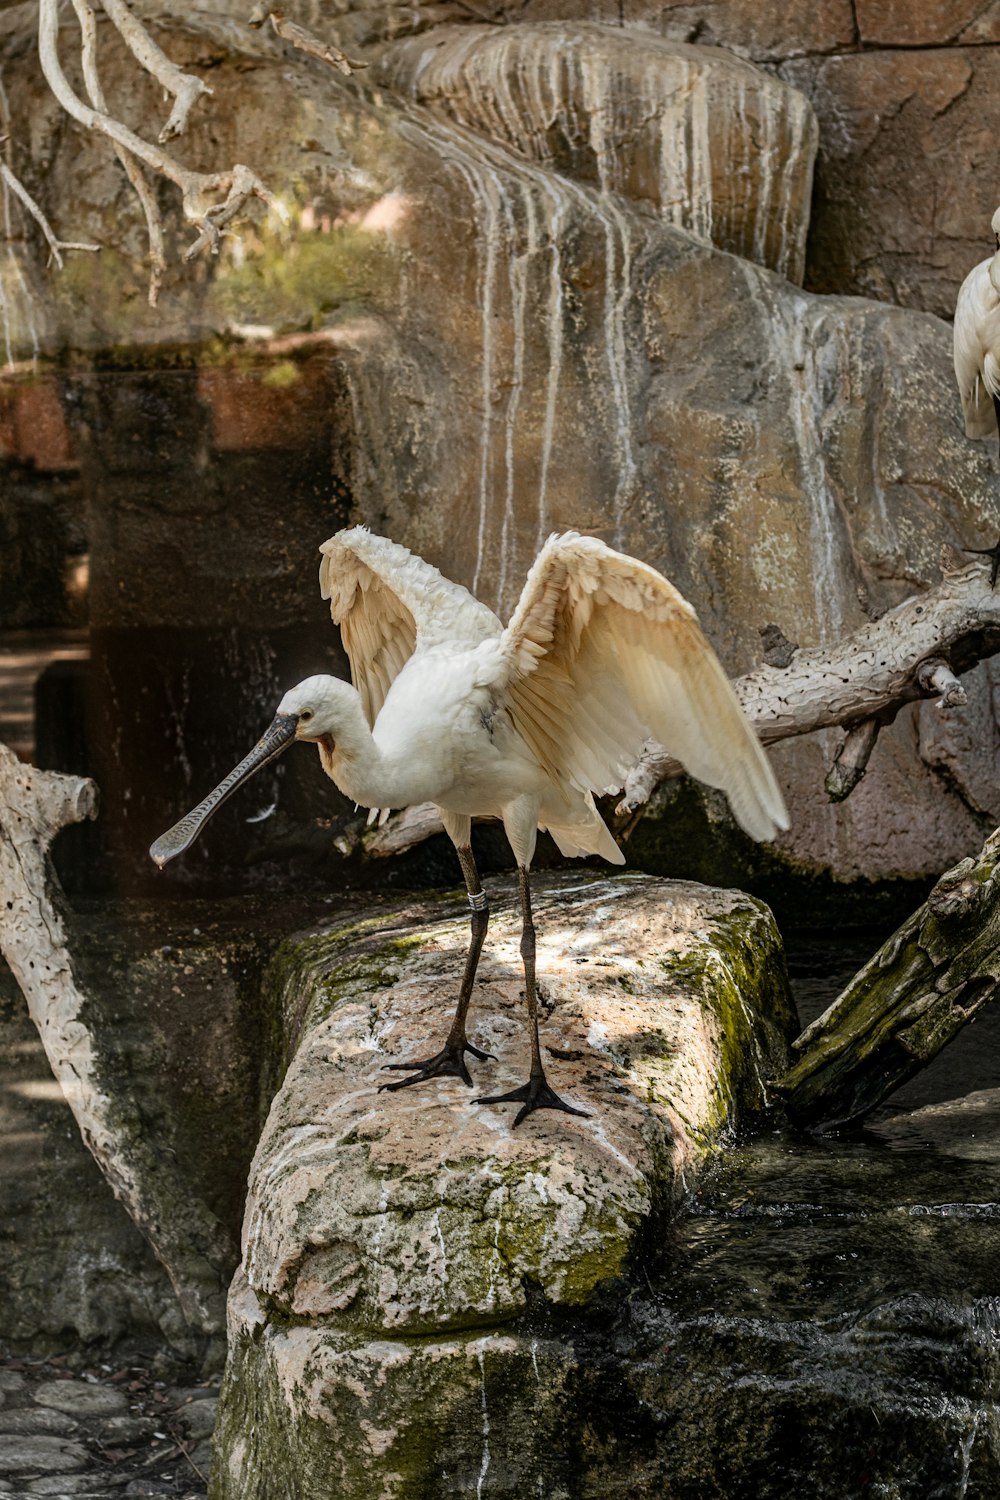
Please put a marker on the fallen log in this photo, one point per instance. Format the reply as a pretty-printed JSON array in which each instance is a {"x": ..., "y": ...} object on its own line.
[
  {"x": 930, "y": 979},
  {"x": 192, "y": 1245}
]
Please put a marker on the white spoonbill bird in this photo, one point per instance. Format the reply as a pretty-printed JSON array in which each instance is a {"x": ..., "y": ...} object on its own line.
[
  {"x": 977, "y": 344},
  {"x": 524, "y": 724}
]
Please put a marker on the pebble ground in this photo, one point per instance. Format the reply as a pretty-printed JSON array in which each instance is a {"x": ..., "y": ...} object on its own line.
[{"x": 102, "y": 1431}]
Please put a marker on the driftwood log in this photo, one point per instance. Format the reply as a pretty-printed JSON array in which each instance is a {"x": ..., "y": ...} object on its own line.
[
  {"x": 917, "y": 650},
  {"x": 190, "y": 1243},
  {"x": 932, "y": 977}
]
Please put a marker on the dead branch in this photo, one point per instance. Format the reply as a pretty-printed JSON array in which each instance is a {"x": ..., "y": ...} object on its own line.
[
  {"x": 304, "y": 40},
  {"x": 851, "y": 761},
  {"x": 56, "y": 245},
  {"x": 200, "y": 191},
  {"x": 188, "y": 1240},
  {"x": 133, "y": 171},
  {"x": 934, "y": 975},
  {"x": 185, "y": 87}
]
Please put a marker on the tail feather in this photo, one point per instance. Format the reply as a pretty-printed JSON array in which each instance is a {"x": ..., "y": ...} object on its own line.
[{"x": 591, "y": 835}]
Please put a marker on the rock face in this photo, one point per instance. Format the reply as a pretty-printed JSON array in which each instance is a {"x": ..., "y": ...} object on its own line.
[
  {"x": 937, "y": 112},
  {"x": 825, "y": 1318},
  {"x": 375, "y": 1223}
]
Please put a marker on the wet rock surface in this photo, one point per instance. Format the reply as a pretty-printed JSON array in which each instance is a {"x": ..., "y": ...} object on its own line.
[
  {"x": 69, "y": 1428},
  {"x": 822, "y": 1322},
  {"x": 711, "y": 143}
]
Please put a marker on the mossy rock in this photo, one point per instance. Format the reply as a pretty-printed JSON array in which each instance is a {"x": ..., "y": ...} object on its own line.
[{"x": 665, "y": 1010}]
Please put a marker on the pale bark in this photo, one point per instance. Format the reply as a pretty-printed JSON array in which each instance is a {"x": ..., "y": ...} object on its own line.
[
  {"x": 133, "y": 171},
  {"x": 186, "y": 88},
  {"x": 304, "y": 40},
  {"x": 191, "y": 1244},
  {"x": 922, "y": 986},
  {"x": 55, "y": 244}
]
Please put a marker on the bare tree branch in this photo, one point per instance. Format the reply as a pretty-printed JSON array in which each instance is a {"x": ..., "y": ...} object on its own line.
[
  {"x": 190, "y": 1242},
  {"x": 185, "y": 87},
  {"x": 133, "y": 171},
  {"x": 851, "y": 761},
  {"x": 929, "y": 979},
  {"x": 917, "y": 650},
  {"x": 56, "y": 245},
  {"x": 198, "y": 189}
]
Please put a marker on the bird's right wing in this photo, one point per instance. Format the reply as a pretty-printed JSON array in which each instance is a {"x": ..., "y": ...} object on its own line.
[
  {"x": 388, "y": 602},
  {"x": 603, "y": 653},
  {"x": 977, "y": 374}
]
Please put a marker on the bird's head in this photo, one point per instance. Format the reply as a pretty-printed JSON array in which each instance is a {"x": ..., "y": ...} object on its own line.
[
  {"x": 317, "y": 706},
  {"x": 310, "y": 711}
]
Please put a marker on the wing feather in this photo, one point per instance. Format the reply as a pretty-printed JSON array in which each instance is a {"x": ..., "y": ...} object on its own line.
[
  {"x": 389, "y": 603},
  {"x": 603, "y": 653}
]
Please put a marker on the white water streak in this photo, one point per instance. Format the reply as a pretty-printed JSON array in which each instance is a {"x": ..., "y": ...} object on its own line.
[
  {"x": 554, "y": 331},
  {"x": 966, "y": 1444},
  {"x": 484, "y": 1466},
  {"x": 518, "y": 266},
  {"x": 482, "y": 185},
  {"x": 484, "y": 167},
  {"x": 804, "y": 372},
  {"x": 617, "y": 278}
]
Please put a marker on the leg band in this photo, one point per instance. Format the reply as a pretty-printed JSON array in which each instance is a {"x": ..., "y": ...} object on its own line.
[{"x": 479, "y": 901}]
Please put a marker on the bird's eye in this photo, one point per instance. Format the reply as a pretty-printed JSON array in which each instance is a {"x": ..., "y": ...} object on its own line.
[{"x": 305, "y": 716}]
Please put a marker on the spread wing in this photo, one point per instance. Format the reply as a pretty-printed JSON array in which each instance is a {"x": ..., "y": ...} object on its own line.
[
  {"x": 389, "y": 603},
  {"x": 601, "y": 654}
]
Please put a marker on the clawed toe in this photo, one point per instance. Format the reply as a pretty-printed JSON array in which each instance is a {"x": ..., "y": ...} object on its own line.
[
  {"x": 448, "y": 1063},
  {"x": 535, "y": 1094}
]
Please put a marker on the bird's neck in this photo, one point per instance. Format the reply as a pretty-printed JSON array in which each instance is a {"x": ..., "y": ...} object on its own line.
[{"x": 354, "y": 761}]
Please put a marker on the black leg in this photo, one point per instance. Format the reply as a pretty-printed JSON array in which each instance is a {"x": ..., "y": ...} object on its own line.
[
  {"x": 450, "y": 1061},
  {"x": 536, "y": 1093}
]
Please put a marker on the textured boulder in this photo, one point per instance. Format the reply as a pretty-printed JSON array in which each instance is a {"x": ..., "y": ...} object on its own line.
[
  {"x": 374, "y": 1222},
  {"x": 712, "y": 143},
  {"x": 420, "y": 1210},
  {"x": 824, "y": 1323}
]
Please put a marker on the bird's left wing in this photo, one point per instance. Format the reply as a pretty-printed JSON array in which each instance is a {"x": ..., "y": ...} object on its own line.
[
  {"x": 602, "y": 653},
  {"x": 388, "y": 603}
]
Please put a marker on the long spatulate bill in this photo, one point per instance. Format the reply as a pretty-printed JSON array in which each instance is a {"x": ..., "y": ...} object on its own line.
[{"x": 278, "y": 737}]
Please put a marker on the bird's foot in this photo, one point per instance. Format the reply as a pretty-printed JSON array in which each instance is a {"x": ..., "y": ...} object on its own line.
[
  {"x": 448, "y": 1063},
  {"x": 535, "y": 1094}
]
